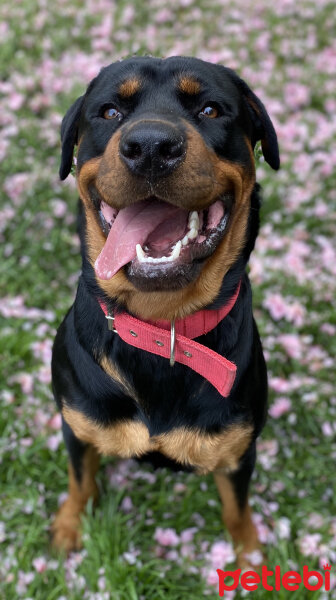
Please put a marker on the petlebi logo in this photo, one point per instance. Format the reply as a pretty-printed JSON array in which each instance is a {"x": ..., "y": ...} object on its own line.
[{"x": 273, "y": 580}]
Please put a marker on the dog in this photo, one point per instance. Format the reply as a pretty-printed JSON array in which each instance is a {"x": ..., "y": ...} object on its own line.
[{"x": 160, "y": 357}]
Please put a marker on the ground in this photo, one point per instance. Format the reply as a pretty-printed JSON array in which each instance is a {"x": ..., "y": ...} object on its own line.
[{"x": 158, "y": 535}]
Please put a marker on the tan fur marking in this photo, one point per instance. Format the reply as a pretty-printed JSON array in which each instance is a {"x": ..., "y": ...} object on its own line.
[
  {"x": 189, "y": 85},
  {"x": 111, "y": 370},
  {"x": 125, "y": 439},
  {"x": 199, "y": 180},
  {"x": 253, "y": 104},
  {"x": 206, "y": 452},
  {"x": 129, "y": 87},
  {"x": 66, "y": 526},
  {"x": 87, "y": 176},
  {"x": 238, "y": 522},
  {"x": 250, "y": 149}
]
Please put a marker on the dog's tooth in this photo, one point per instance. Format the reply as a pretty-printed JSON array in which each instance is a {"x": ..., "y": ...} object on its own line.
[
  {"x": 158, "y": 259},
  {"x": 193, "y": 221},
  {"x": 142, "y": 257},
  {"x": 140, "y": 253},
  {"x": 177, "y": 249},
  {"x": 185, "y": 240},
  {"x": 193, "y": 233}
]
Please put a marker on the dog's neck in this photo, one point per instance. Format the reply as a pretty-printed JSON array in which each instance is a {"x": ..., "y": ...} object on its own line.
[{"x": 174, "y": 341}]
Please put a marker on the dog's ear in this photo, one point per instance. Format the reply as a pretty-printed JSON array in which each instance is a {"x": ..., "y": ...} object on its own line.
[
  {"x": 69, "y": 136},
  {"x": 263, "y": 129},
  {"x": 262, "y": 125}
]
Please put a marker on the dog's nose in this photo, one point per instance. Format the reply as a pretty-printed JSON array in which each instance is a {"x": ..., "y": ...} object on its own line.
[{"x": 152, "y": 149}]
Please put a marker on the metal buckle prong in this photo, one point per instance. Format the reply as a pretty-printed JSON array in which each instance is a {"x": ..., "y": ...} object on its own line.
[
  {"x": 110, "y": 322},
  {"x": 172, "y": 343}
]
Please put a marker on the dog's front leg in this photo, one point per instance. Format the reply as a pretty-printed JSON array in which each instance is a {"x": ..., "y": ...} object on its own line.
[
  {"x": 83, "y": 465},
  {"x": 236, "y": 513}
]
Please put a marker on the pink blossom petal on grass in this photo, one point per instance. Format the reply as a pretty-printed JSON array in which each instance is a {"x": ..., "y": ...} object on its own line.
[
  {"x": 280, "y": 407},
  {"x": 26, "y": 380},
  {"x": 53, "y": 441},
  {"x": 40, "y": 419},
  {"x": 180, "y": 487},
  {"x": 279, "y": 384},
  {"x": 187, "y": 535},
  {"x": 292, "y": 344},
  {"x": 26, "y": 442},
  {"x": 131, "y": 556},
  {"x": 212, "y": 578},
  {"x": 40, "y": 564},
  {"x": 309, "y": 544},
  {"x": 265, "y": 535},
  {"x": 62, "y": 498},
  {"x": 172, "y": 555},
  {"x": 166, "y": 537},
  {"x": 296, "y": 95},
  {"x": 276, "y": 306},
  {"x": 59, "y": 207},
  {"x": 188, "y": 551},
  {"x": 255, "y": 558},
  {"x": 327, "y": 429},
  {"x": 55, "y": 422},
  {"x": 328, "y": 328},
  {"x": 315, "y": 521},
  {"x": 2, "y": 532},
  {"x": 44, "y": 374},
  {"x": 221, "y": 553},
  {"x": 126, "y": 504},
  {"x": 283, "y": 528}
]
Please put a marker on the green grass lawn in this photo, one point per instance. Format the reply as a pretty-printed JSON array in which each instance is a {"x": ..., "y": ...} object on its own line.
[{"x": 286, "y": 52}]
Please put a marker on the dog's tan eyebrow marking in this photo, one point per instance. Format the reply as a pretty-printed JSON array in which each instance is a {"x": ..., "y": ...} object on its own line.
[
  {"x": 129, "y": 87},
  {"x": 189, "y": 85}
]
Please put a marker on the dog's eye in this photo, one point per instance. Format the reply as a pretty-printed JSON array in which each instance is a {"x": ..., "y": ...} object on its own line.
[
  {"x": 209, "y": 111},
  {"x": 112, "y": 113}
]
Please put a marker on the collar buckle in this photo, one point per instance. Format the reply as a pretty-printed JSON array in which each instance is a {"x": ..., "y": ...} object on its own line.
[{"x": 110, "y": 322}]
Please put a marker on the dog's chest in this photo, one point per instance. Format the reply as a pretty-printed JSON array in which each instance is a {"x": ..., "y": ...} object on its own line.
[{"x": 206, "y": 452}]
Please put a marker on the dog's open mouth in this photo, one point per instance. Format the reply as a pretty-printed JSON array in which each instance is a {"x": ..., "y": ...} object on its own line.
[{"x": 157, "y": 240}]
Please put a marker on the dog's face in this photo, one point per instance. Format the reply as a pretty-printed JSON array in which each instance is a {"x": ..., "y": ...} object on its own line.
[{"x": 165, "y": 169}]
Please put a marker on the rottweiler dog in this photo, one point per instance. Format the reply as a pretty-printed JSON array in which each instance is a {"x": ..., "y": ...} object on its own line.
[{"x": 159, "y": 357}]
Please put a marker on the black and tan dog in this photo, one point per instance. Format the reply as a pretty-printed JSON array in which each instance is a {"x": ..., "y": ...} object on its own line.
[{"x": 169, "y": 214}]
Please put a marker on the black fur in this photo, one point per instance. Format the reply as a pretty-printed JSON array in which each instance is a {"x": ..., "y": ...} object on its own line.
[
  {"x": 179, "y": 397},
  {"x": 188, "y": 399},
  {"x": 223, "y": 86}
]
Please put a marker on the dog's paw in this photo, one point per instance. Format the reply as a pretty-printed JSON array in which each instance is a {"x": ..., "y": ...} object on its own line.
[
  {"x": 65, "y": 530},
  {"x": 252, "y": 560}
]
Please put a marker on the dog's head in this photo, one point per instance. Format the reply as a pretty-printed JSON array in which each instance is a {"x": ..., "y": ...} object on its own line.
[{"x": 165, "y": 171}]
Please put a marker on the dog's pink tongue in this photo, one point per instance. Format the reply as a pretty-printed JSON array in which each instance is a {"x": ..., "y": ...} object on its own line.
[{"x": 131, "y": 226}]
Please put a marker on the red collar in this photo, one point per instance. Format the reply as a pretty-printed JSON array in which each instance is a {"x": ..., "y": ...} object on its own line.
[{"x": 174, "y": 340}]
